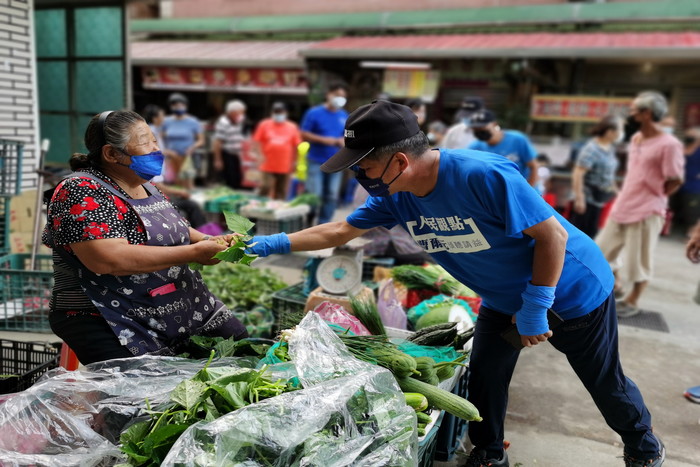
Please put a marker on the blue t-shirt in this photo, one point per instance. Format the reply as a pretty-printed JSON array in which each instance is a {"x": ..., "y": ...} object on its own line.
[
  {"x": 514, "y": 146},
  {"x": 321, "y": 121},
  {"x": 472, "y": 223},
  {"x": 180, "y": 134}
]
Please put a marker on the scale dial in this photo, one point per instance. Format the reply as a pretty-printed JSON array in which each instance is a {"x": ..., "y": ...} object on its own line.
[{"x": 339, "y": 274}]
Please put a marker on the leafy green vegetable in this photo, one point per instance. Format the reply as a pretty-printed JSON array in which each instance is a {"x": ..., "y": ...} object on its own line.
[
  {"x": 366, "y": 311},
  {"x": 211, "y": 393},
  {"x": 306, "y": 198},
  {"x": 431, "y": 277},
  {"x": 236, "y": 252},
  {"x": 240, "y": 286}
]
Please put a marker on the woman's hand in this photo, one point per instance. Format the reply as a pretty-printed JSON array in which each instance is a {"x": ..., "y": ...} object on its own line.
[{"x": 205, "y": 251}]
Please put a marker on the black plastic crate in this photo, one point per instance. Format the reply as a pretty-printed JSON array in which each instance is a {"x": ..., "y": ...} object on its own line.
[
  {"x": 452, "y": 428},
  {"x": 368, "y": 265},
  {"x": 25, "y": 293},
  {"x": 22, "y": 363}
]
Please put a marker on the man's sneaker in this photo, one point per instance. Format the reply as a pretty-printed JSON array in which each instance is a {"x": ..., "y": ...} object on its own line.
[
  {"x": 625, "y": 310},
  {"x": 477, "y": 458},
  {"x": 655, "y": 462},
  {"x": 693, "y": 394}
]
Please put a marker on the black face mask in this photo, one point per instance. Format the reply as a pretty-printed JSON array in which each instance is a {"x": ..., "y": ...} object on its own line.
[
  {"x": 688, "y": 140},
  {"x": 483, "y": 135},
  {"x": 631, "y": 125}
]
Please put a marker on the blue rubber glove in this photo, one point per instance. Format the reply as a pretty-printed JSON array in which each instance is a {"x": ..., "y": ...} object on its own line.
[
  {"x": 532, "y": 317},
  {"x": 266, "y": 245}
]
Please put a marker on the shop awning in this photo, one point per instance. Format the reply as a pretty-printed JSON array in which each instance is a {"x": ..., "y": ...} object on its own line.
[
  {"x": 219, "y": 54},
  {"x": 623, "y": 45}
]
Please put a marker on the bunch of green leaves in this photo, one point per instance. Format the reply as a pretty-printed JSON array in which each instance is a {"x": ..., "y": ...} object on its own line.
[
  {"x": 238, "y": 285},
  {"x": 366, "y": 311},
  {"x": 431, "y": 277},
  {"x": 211, "y": 393},
  {"x": 235, "y": 253},
  {"x": 202, "y": 346}
]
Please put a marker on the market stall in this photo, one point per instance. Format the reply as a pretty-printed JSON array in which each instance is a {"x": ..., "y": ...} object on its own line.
[{"x": 356, "y": 390}]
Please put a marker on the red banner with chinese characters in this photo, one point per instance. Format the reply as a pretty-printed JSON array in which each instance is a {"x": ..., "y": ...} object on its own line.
[
  {"x": 253, "y": 80},
  {"x": 556, "y": 108}
]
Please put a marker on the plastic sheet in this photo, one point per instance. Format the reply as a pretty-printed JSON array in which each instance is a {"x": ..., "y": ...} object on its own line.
[
  {"x": 349, "y": 413},
  {"x": 73, "y": 418}
]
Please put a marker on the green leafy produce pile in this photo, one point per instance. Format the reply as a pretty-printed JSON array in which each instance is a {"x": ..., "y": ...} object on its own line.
[
  {"x": 211, "y": 393},
  {"x": 431, "y": 277},
  {"x": 241, "y": 286}
]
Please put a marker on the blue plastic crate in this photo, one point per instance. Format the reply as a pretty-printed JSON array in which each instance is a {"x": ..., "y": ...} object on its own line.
[{"x": 452, "y": 428}]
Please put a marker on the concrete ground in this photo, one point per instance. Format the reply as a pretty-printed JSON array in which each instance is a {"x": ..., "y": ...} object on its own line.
[{"x": 552, "y": 421}]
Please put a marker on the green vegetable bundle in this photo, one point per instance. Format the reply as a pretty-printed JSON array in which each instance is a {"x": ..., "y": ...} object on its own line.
[
  {"x": 241, "y": 286},
  {"x": 366, "y": 311},
  {"x": 431, "y": 277}
]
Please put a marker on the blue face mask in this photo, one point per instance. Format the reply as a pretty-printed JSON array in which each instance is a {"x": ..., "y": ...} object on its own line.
[
  {"x": 179, "y": 111},
  {"x": 148, "y": 165},
  {"x": 374, "y": 186}
]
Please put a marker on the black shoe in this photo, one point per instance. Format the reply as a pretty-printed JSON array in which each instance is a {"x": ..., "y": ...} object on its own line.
[
  {"x": 654, "y": 462},
  {"x": 477, "y": 458}
]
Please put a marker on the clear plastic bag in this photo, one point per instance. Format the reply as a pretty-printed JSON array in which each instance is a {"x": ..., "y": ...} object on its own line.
[
  {"x": 389, "y": 307},
  {"x": 349, "y": 413}
]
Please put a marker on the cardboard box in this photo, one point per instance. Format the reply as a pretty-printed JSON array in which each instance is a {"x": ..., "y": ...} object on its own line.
[
  {"x": 318, "y": 295},
  {"x": 22, "y": 212}
]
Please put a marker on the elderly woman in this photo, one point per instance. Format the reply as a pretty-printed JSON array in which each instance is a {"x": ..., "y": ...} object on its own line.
[{"x": 123, "y": 286}]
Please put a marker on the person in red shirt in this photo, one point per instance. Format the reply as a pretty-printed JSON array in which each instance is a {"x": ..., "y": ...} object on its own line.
[{"x": 276, "y": 140}]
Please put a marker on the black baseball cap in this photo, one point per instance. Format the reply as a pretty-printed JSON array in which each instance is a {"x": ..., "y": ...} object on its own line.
[
  {"x": 371, "y": 126},
  {"x": 472, "y": 103},
  {"x": 482, "y": 118}
]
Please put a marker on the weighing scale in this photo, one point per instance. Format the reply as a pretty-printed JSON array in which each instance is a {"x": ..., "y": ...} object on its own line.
[{"x": 338, "y": 273}]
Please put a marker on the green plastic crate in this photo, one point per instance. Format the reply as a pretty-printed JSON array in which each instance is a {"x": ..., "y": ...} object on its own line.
[
  {"x": 288, "y": 300},
  {"x": 25, "y": 294}
]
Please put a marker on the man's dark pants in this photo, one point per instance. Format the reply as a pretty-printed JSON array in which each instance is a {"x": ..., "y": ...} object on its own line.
[{"x": 590, "y": 343}]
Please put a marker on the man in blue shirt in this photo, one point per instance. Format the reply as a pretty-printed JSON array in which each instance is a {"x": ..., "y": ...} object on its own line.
[
  {"x": 511, "y": 144},
  {"x": 322, "y": 126},
  {"x": 477, "y": 217}
]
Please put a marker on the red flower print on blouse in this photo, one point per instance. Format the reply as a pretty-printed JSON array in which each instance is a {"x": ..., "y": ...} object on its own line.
[
  {"x": 121, "y": 207},
  {"x": 60, "y": 195},
  {"x": 95, "y": 230},
  {"x": 88, "y": 183},
  {"x": 88, "y": 204},
  {"x": 57, "y": 223}
]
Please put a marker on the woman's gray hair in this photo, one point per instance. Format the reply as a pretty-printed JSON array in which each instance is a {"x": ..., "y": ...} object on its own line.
[
  {"x": 655, "y": 102},
  {"x": 415, "y": 146},
  {"x": 116, "y": 132}
]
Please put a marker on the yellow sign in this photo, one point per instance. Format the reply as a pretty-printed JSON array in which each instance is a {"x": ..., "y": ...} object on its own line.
[{"x": 412, "y": 83}]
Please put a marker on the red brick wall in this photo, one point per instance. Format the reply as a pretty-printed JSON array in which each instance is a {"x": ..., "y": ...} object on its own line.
[{"x": 205, "y": 8}]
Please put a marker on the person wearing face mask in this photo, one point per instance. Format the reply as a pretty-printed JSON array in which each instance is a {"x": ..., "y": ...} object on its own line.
[
  {"x": 654, "y": 171},
  {"x": 510, "y": 144},
  {"x": 460, "y": 135},
  {"x": 122, "y": 284},
  {"x": 436, "y": 133},
  {"x": 322, "y": 127},
  {"x": 477, "y": 217},
  {"x": 668, "y": 124},
  {"x": 182, "y": 134},
  {"x": 418, "y": 107},
  {"x": 276, "y": 140},
  {"x": 593, "y": 178},
  {"x": 229, "y": 134}
]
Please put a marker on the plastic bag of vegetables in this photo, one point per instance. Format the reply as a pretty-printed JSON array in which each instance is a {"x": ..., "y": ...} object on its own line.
[{"x": 348, "y": 413}]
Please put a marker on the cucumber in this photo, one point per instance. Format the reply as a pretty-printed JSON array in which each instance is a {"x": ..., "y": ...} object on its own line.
[
  {"x": 416, "y": 401},
  {"x": 441, "y": 399},
  {"x": 424, "y": 417}
]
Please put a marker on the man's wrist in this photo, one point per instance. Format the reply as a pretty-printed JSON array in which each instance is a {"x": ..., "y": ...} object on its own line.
[{"x": 532, "y": 317}]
